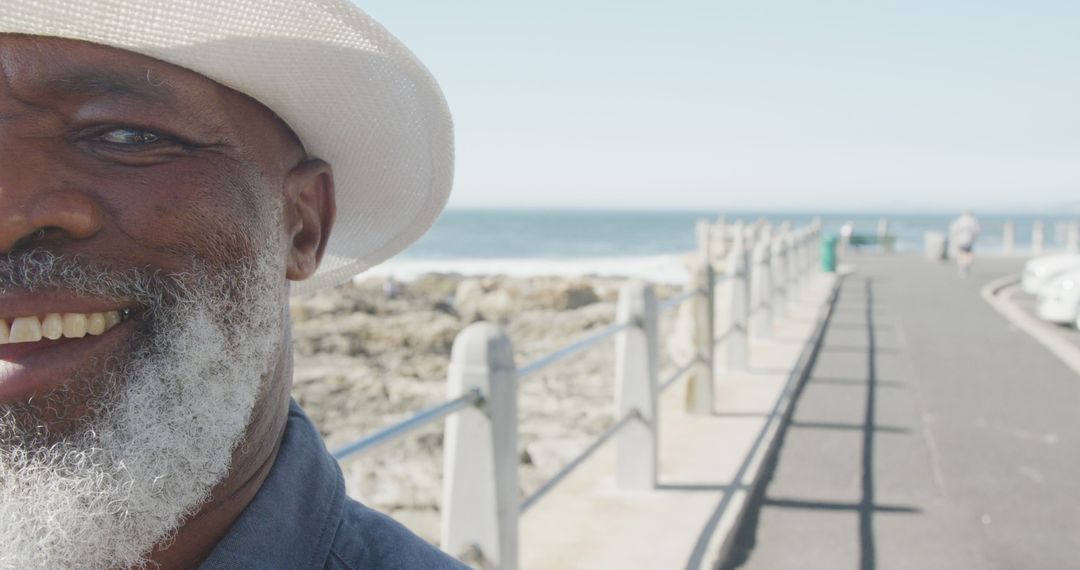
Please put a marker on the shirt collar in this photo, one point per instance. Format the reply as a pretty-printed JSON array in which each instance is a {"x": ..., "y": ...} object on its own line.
[{"x": 292, "y": 519}]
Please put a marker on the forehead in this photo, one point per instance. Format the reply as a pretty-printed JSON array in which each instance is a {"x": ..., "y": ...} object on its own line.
[
  {"x": 61, "y": 68},
  {"x": 54, "y": 72}
]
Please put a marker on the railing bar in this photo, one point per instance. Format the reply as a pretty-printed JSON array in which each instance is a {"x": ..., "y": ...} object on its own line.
[
  {"x": 760, "y": 307},
  {"x": 676, "y": 301},
  {"x": 675, "y": 377},
  {"x": 417, "y": 421},
  {"x": 552, "y": 358},
  {"x": 724, "y": 336},
  {"x": 558, "y": 477}
]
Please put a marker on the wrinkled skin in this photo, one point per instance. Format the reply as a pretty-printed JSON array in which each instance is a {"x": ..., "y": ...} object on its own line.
[{"x": 129, "y": 161}]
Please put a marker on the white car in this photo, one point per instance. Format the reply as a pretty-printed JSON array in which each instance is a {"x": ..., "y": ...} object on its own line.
[
  {"x": 1041, "y": 270},
  {"x": 1059, "y": 299}
]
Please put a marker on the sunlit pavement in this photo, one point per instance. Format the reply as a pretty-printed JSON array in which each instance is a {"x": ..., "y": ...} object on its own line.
[{"x": 931, "y": 433}]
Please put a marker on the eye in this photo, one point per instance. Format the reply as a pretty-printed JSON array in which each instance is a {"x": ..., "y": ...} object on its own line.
[{"x": 130, "y": 136}]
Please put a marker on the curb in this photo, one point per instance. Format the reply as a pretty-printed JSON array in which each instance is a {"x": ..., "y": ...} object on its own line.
[{"x": 997, "y": 294}]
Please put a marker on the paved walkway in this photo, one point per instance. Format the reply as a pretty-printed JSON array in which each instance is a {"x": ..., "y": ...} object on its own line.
[
  {"x": 588, "y": 523},
  {"x": 930, "y": 434}
]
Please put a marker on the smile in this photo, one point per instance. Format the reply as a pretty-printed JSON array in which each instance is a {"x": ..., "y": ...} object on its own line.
[
  {"x": 44, "y": 351},
  {"x": 53, "y": 326}
]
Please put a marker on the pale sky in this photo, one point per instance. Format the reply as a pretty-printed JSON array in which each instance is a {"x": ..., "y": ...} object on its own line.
[{"x": 762, "y": 105}]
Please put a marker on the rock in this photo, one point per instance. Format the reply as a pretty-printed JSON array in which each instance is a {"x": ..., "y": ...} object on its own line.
[
  {"x": 477, "y": 299},
  {"x": 433, "y": 286},
  {"x": 574, "y": 296}
]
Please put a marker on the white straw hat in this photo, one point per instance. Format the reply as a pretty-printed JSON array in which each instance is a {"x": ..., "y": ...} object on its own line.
[{"x": 355, "y": 96}]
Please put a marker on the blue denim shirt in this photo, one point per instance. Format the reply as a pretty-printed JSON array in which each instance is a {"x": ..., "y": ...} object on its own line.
[{"x": 301, "y": 519}]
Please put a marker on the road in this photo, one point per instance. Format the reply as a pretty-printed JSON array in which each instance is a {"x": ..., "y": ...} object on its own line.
[{"x": 931, "y": 433}]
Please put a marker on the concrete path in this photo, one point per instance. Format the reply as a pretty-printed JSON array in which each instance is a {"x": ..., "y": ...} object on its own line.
[
  {"x": 705, "y": 464},
  {"x": 931, "y": 433}
]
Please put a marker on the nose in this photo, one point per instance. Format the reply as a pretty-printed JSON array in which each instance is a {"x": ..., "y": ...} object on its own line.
[{"x": 34, "y": 202}]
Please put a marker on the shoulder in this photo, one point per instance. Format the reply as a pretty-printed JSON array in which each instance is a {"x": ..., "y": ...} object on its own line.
[{"x": 369, "y": 539}]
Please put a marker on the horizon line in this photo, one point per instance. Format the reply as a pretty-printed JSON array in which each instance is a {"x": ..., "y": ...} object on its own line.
[{"x": 777, "y": 211}]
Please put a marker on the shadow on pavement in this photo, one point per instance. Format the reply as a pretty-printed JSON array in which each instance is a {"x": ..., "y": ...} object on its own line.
[{"x": 865, "y": 507}]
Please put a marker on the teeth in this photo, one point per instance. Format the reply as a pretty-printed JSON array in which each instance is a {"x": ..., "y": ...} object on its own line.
[
  {"x": 55, "y": 325},
  {"x": 95, "y": 324},
  {"x": 74, "y": 325},
  {"x": 52, "y": 326},
  {"x": 112, "y": 318},
  {"x": 25, "y": 329}
]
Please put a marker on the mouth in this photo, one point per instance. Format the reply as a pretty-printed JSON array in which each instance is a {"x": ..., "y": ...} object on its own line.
[
  {"x": 54, "y": 326},
  {"x": 42, "y": 352}
]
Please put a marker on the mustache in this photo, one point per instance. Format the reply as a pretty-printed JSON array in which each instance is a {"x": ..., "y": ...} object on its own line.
[{"x": 43, "y": 270}]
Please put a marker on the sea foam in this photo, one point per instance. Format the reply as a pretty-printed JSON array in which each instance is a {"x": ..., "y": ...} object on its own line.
[{"x": 657, "y": 269}]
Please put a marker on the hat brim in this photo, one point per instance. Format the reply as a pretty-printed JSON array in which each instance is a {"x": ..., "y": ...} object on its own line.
[{"x": 354, "y": 94}]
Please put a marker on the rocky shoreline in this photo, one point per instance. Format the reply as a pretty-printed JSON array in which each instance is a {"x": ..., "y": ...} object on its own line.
[{"x": 369, "y": 354}]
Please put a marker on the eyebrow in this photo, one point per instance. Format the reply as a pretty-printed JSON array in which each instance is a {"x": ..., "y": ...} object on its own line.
[{"x": 113, "y": 84}]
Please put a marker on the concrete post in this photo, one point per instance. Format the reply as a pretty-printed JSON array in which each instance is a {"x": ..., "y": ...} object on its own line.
[
  {"x": 794, "y": 261},
  {"x": 778, "y": 267},
  {"x": 1038, "y": 238},
  {"x": 738, "y": 240},
  {"x": 738, "y": 231},
  {"x": 1008, "y": 238},
  {"x": 803, "y": 238},
  {"x": 720, "y": 236},
  {"x": 750, "y": 233},
  {"x": 883, "y": 234},
  {"x": 699, "y": 386},
  {"x": 748, "y": 243},
  {"x": 480, "y": 459},
  {"x": 808, "y": 255},
  {"x": 792, "y": 269},
  {"x": 766, "y": 232},
  {"x": 816, "y": 252},
  {"x": 636, "y": 368},
  {"x": 1072, "y": 240},
  {"x": 704, "y": 231},
  {"x": 736, "y": 308},
  {"x": 935, "y": 246},
  {"x": 761, "y": 318}
]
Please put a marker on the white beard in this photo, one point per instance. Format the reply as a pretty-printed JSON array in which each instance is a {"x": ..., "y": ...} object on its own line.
[{"x": 164, "y": 425}]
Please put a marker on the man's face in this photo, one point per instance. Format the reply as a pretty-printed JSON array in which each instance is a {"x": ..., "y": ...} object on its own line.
[
  {"x": 126, "y": 161},
  {"x": 128, "y": 188}
]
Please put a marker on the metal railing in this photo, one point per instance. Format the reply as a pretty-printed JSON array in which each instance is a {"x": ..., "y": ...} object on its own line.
[
  {"x": 574, "y": 463},
  {"x": 678, "y": 375},
  {"x": 571, "y": 349},
  {"x": 480, "y": 491},
  {"x": 474, "y": 397},
  {"x": 422, "y": 418}
]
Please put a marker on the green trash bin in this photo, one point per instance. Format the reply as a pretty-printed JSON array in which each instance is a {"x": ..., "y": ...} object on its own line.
[{"x": 828, "y": 253}]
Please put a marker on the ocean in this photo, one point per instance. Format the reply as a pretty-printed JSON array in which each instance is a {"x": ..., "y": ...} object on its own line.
[{"x": 644, "y": 244}]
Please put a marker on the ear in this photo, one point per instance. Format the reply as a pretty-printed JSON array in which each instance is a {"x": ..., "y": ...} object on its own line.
[{"x": 309, "y": 215}]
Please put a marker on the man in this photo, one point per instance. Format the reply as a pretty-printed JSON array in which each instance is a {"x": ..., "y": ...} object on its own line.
[
  {"x": 962, "y": 233},
  {"x": 169, "y": 173},
  {"x": 847, "y": 230}
]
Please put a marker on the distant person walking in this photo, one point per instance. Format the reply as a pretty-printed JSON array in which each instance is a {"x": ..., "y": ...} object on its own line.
[
  {"x": 962, "y": 233},
  {"x": 846, "y": 232}
]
